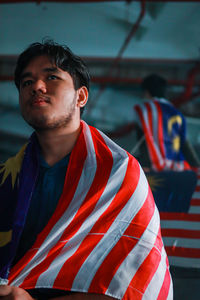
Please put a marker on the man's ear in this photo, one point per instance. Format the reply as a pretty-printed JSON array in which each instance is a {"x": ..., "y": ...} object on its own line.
[{"x": 82, "y": 96}]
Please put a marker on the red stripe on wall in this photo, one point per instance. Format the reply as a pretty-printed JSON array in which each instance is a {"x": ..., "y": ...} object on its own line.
[
  {"x": 197, "y": 188},
  {"x": 181, "y": 233},
  {"x": 195, "y": 202},
  {"x": 180, "y": 216},
  {"x": 182, "y": 252},
  {"x": 160, "y": 129}
]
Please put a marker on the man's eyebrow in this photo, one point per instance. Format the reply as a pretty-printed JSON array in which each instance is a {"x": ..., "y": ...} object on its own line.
[
  {"x": 49, "y": 70},
  {"x": 24, "y": 75},
  {"x": 45, "y": 70}
]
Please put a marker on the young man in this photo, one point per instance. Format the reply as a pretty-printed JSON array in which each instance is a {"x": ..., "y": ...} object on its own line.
[{"x": 78, "y": 219}]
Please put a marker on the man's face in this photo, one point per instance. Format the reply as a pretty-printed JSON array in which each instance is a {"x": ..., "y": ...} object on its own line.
[{"x": 47, "y": 96}]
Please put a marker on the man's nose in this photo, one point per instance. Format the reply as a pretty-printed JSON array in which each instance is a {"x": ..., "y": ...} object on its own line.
[{"x": 39, "y": 86}]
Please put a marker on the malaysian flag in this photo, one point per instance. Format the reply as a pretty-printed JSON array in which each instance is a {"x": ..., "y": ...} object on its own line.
[
  {"x": 181, "y": 233},
  {"x": 104, "y": 236},
  {"x": 164, "y": 130}
]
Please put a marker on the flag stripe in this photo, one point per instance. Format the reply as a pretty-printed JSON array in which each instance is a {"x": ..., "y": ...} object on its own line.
[
  {"x": 194, "y": 209},
  {"x": 184, "y": 225},
  {"x": 153, "y": 152},
  {"x": 165, "y": 287},
  {"x": 172, "y": 232},
  {"x": 184, "y": 262},
  {"x": 160, "y": 129},
  {"x": 150, "y": 118},
  {"x": 183, "y": 252},
  {"x": 156, "y": 155},
  {"x": 195, "y": 202},
  {"x": 182, "y": 242},
  {"x": 198, "y": 189},
  {"x": 153, "y": 112},
  {"x": 180, "y": 217},
  {"x": 196, "y": 195}
]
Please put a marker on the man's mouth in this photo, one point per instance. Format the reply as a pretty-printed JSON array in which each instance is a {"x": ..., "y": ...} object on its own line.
[{"x": 39, "y": 101}]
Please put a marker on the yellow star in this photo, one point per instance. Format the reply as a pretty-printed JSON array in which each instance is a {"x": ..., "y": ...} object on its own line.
[
  {"x": 12, "y": 166},
  {"x": 176, "y": 143}
]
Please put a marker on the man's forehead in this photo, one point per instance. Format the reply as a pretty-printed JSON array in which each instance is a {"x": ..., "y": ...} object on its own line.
[{"x": 43, "y": 62}]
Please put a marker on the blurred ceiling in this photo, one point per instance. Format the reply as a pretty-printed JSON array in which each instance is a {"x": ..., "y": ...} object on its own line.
[
  {"x": 168, "y": 29},
  {"x": 121, "y": 41}
]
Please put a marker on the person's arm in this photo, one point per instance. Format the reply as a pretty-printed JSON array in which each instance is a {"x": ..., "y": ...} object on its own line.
[{"x": 8, "y": 292}]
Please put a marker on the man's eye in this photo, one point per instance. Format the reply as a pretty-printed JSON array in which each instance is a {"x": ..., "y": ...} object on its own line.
[
  {"x": 26, "y": 83},
  {"x": 52, "y": 77}
]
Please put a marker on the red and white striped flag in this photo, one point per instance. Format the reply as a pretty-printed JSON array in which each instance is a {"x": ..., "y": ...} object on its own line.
[
  {"x": 164, "y": 129},
  {"x": 104, "y": 236},
  {"x": 181, "y": 233}
]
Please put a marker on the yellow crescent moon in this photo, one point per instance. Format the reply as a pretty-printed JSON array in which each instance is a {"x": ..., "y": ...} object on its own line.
[{"x": 172, "y": 121}]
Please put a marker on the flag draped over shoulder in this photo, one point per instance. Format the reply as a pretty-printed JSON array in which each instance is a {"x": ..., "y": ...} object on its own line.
[
  {"x": 104, "y": 236},
  {"x": 14, "y": 202},
  {"x": 164, "y": 130}
]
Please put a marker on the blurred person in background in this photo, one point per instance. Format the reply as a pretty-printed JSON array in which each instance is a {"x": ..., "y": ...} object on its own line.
[{"x": 164, "y": 127}]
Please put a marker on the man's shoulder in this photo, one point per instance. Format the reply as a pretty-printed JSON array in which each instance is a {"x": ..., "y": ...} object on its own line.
[
  {"x": 110, "y": 145},
  {"x": 107, "y": 149}
]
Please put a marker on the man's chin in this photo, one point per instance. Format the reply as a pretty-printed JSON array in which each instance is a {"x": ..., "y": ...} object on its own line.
[
  {"x": 39, "y": 126},
  {"x": 44, "y": 126}
]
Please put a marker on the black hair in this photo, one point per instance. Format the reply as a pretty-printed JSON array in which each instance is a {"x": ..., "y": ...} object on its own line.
[
  {"x": 155, "y": 85},
  {"x": 61, "y": 56}
]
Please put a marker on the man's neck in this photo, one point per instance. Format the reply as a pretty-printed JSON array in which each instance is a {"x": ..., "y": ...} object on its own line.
[{"x": 56, "y": 144}]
